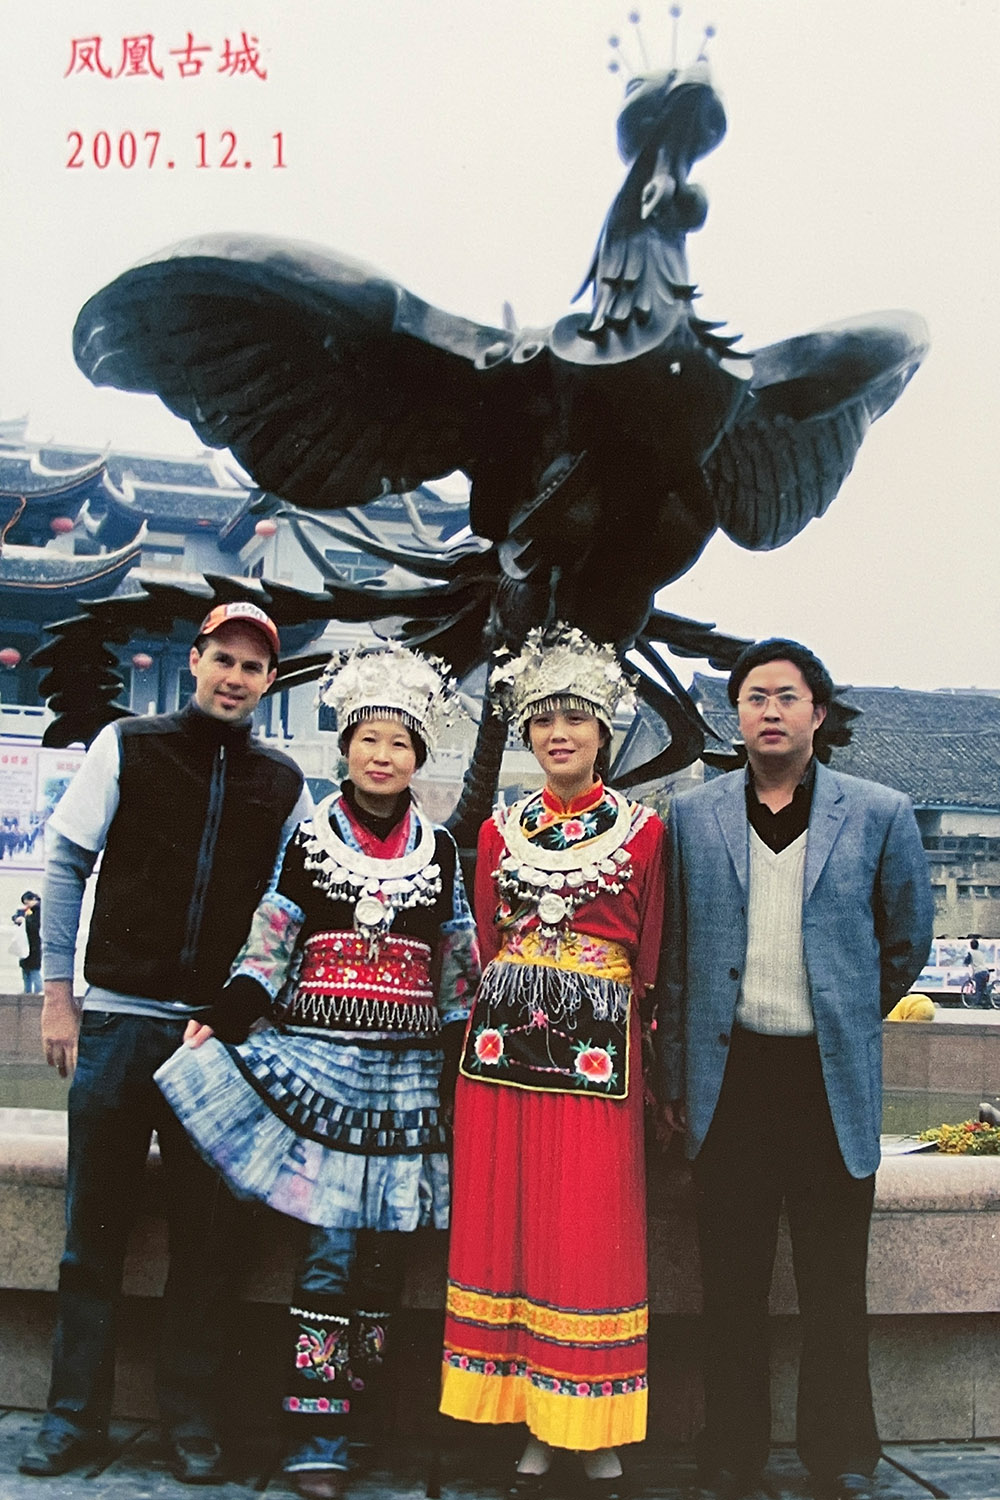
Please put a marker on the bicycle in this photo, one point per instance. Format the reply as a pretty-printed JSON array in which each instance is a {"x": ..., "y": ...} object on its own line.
[{"x": 991, "y": 994}]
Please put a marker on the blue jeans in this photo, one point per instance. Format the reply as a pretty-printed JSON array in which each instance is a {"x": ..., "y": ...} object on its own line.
[
  {"x": 348, "y": 1285},
  {"x": 31, "y": 979},
  {"x": 114, "y": 1107}
]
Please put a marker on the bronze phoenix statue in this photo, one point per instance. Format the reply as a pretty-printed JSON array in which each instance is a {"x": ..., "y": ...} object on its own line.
[{"x": 602, "y": 452}]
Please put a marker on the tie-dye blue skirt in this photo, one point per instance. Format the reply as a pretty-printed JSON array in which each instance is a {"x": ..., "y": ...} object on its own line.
[{"x": 345, "y": 1134}]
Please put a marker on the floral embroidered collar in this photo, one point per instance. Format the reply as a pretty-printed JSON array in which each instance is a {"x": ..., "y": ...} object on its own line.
[
  {"x": 582, "y": 803},
  {"x": 555, "y": 864},
  {"x": 552, "y": 825}
]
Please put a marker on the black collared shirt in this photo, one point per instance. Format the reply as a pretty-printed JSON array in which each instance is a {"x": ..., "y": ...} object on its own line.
[{"x": 781, "y": 828}]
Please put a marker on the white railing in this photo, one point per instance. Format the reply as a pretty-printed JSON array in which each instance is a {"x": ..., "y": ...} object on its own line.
[{"x": 22, "y": 722}]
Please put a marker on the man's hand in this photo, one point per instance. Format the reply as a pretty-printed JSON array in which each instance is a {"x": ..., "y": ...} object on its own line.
[
  {"x": 60, "y": 1026},
  {"x": 196, "y": 1032},
  {"x": 671, "y": 1120}
]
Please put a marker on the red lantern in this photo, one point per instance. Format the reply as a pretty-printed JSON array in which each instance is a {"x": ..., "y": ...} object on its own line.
[
  {"x": 61, "y": 524},
  {"x": 9, "y": 656},
  {"x": 142, "y": 660},
  {"x": 266, "y": 528}
]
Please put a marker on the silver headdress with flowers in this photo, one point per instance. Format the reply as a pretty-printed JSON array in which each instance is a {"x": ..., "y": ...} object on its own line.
[
  {"x": 560, "y": 667},
  {"x": 391, "y": 682}
]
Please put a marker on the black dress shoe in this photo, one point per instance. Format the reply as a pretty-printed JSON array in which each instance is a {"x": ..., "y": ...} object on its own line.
[
  {"x": 852, "y": 1487},
  {"x": 529, "y": 1486},
  {"x": 197, "y": 1460},
  {"x": 605, "y": 1489},
  {"x": 57, "y": 1452}
]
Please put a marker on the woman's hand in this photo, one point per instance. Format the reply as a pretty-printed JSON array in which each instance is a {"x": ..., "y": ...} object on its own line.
[{"x": 196, "y": 1032}]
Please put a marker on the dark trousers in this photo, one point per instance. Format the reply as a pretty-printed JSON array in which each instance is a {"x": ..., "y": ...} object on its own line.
[
  {"x": 772, "y": 1142},
  {"x": 114, "y": 1107}
]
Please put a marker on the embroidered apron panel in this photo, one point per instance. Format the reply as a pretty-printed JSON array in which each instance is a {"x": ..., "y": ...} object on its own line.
[{"x": 553, "y": 1016}]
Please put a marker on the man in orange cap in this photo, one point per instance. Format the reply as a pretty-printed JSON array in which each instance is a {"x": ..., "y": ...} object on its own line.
[{"x": 192, "y": 814}]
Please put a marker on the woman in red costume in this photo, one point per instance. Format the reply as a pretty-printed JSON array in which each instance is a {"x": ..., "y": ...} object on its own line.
[{"x": 547, "y": 1313}]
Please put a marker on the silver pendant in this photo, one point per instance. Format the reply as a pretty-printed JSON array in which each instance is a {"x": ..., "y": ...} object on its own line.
[
  {"x": 553, "y": 909},
  {"x": 369, "y": 914}
]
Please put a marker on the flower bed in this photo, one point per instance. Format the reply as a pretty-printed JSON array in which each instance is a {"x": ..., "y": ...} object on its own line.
[{"x": 971, "y": 1138}]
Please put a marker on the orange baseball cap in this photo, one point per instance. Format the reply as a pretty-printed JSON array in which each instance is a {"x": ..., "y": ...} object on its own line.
[{"x": 242, "y": 612}]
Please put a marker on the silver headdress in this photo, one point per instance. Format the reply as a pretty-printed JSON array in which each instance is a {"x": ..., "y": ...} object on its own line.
[
  {"x": 561, "y": 667},
  {"x": 390, "y": 682}
]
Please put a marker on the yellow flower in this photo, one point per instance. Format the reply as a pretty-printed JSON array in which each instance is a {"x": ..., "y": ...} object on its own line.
[{"x": 970, "y": 1138}]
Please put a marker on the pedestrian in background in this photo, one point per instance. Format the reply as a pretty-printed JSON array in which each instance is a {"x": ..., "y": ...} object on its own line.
[
  {"x": 30, "y": 915},
  {"x": 976, "y": 960}
]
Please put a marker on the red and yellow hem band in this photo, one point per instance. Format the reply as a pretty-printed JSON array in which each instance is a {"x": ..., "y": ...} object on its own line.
[{"x": 561, "y": 1410}]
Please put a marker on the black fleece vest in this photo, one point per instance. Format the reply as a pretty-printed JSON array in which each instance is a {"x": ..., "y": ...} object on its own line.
[{"x": 188, "y": 854}]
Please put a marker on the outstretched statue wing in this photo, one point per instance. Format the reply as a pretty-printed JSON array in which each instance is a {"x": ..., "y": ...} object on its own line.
[
  {"x": 329, "y": 384},
  {"x": 83, "y": 676},
  {"x": 811, "y": 401}
]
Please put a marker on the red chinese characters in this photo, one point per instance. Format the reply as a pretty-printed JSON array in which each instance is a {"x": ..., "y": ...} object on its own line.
[{"x": 138, "y": 57}]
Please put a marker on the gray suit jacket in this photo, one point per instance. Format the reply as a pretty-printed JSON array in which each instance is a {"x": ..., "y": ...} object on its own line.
[{"x": 866, "y": 929}]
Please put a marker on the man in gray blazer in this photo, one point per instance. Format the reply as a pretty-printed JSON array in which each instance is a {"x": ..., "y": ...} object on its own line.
[{"x": 799, "y": 911}]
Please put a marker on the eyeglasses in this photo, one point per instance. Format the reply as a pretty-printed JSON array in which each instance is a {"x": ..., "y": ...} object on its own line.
[{"x": 785, "y": 701}]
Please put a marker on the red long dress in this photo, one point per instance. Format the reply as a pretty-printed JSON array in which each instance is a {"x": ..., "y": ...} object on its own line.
[{"x": 546, "y": 1312}]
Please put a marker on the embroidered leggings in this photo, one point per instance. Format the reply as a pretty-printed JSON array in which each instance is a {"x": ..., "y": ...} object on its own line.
[{"x": 348, "y": 1286}]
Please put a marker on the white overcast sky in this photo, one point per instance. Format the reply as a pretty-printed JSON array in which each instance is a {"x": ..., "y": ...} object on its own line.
[{"x": 466, "y": 147}]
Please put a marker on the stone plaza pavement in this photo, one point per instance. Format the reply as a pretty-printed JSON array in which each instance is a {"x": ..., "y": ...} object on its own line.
[{"x": 135, "y": 1470}]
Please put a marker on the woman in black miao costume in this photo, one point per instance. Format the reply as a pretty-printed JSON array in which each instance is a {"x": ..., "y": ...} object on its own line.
[{"x": 364, "y": 952}]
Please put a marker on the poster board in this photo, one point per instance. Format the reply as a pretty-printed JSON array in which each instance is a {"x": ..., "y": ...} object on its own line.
[{"x": 32, "y": 779}]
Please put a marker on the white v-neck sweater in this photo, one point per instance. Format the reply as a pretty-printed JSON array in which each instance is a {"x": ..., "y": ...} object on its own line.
[{"x": 774, "y": 997}]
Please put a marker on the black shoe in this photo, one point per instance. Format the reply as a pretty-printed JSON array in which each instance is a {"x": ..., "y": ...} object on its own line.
[
  {"x": 852, "y": 1487},
  {"x": 749, "y": 1486},
  {"x": 529, "y": 1486},
  {"x": 733, "y": 1484},
  {"x": 712, "y": 1482},
  {"x": 197, "y": 1460},
  {"x": 57, "y": 1452},
  {"x": 605, "y": 1489}
]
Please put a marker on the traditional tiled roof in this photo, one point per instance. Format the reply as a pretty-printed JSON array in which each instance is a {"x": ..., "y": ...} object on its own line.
[
  {"x": 181, "y": 506},
  {"x": 942, "y": 749},
  {"x": 207, "y": 492},
  {"x": 171, "y": 494},
  {"x": 37, "y": 586}
]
